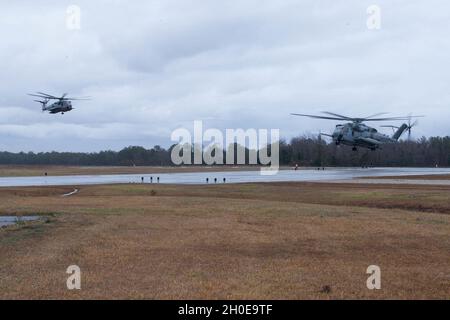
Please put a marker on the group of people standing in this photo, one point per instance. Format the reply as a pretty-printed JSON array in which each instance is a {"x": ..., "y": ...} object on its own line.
[
  {"x": 207, "y": 180},
  {"x": 215, "y": 180},
  {"x": 151, "y": 179}
]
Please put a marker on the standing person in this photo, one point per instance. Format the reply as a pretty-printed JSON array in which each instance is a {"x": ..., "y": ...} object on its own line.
[
  {"x": 224, "y": 180},
  {"x": 142, "y": 179},
  {"x": 215, "y": 180},
  {"x": 157, "y": 179},
  {"x": 151, "y": 179},
  {"x": 207, "y": 180}
]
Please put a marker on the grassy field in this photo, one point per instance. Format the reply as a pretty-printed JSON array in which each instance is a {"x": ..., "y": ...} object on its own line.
[
  {"x": 249, "y": 241},
  {"x": 417, "y": 177}
]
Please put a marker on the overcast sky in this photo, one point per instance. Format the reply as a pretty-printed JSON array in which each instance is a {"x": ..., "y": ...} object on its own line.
[{"x": 154, "y": 66}]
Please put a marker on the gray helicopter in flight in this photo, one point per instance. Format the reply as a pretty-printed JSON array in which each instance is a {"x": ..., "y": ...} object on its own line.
[
  {"x": 356, "y": 134},
  {"x": 63, "y": 104}
]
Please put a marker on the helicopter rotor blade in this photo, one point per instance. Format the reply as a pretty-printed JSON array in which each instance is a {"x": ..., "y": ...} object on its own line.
[
  {"x": 337, "y": 115},
  {"x": 315, "y": 117},
  {"x": 40, "y": 101},
  {"x": 384, "y": 119},
  {"x": 392, "y": 118},
  {"x": 42, "y": 96},
  {"x": 47, "y": 95},
  {"x": 63, "y": 97},
  {"x": 37, "y": 95},
  {"x": 76, "y": 98},
  {"x": 369, "y": 118},
  {"x": 376, "y": 115},
  {"x": 325, "y": 134}
]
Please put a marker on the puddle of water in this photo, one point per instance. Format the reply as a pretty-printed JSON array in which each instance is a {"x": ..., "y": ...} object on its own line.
[{"x": 10, "y": 220}]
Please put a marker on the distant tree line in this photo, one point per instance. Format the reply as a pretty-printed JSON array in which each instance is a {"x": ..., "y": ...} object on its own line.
[
  {"x": 311, "y": 151},
  {"x": 302, "y": 150}
]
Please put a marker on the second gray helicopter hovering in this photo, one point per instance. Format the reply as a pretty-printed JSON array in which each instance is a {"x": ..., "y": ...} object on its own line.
[
  {"x": 356, "y": 134},
  {"x": 63, "y": 104}
]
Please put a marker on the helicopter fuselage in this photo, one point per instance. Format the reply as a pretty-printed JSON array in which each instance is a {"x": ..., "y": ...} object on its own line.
[
  {"x": 58, "y": 107},
  {"x": 359, "y": 135}
]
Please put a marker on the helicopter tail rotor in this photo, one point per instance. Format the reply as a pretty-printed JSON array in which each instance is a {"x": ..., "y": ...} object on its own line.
[
  {"x": 398, "y": 131},
  {"x": 410, "y": 126}
]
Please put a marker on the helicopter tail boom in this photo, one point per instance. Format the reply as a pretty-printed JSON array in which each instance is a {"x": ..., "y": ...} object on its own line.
[
  {"x": 400, "y": 131},
  {"x": 43, "y": 103}
]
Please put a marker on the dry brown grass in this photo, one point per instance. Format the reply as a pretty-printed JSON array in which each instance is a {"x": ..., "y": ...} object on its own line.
[
  {"x": 416, "y": 177},
  {"x": 249, "y": 241}
]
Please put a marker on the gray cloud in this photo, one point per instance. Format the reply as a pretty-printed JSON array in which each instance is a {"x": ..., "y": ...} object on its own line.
[{"x": 153, "y": 66}]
